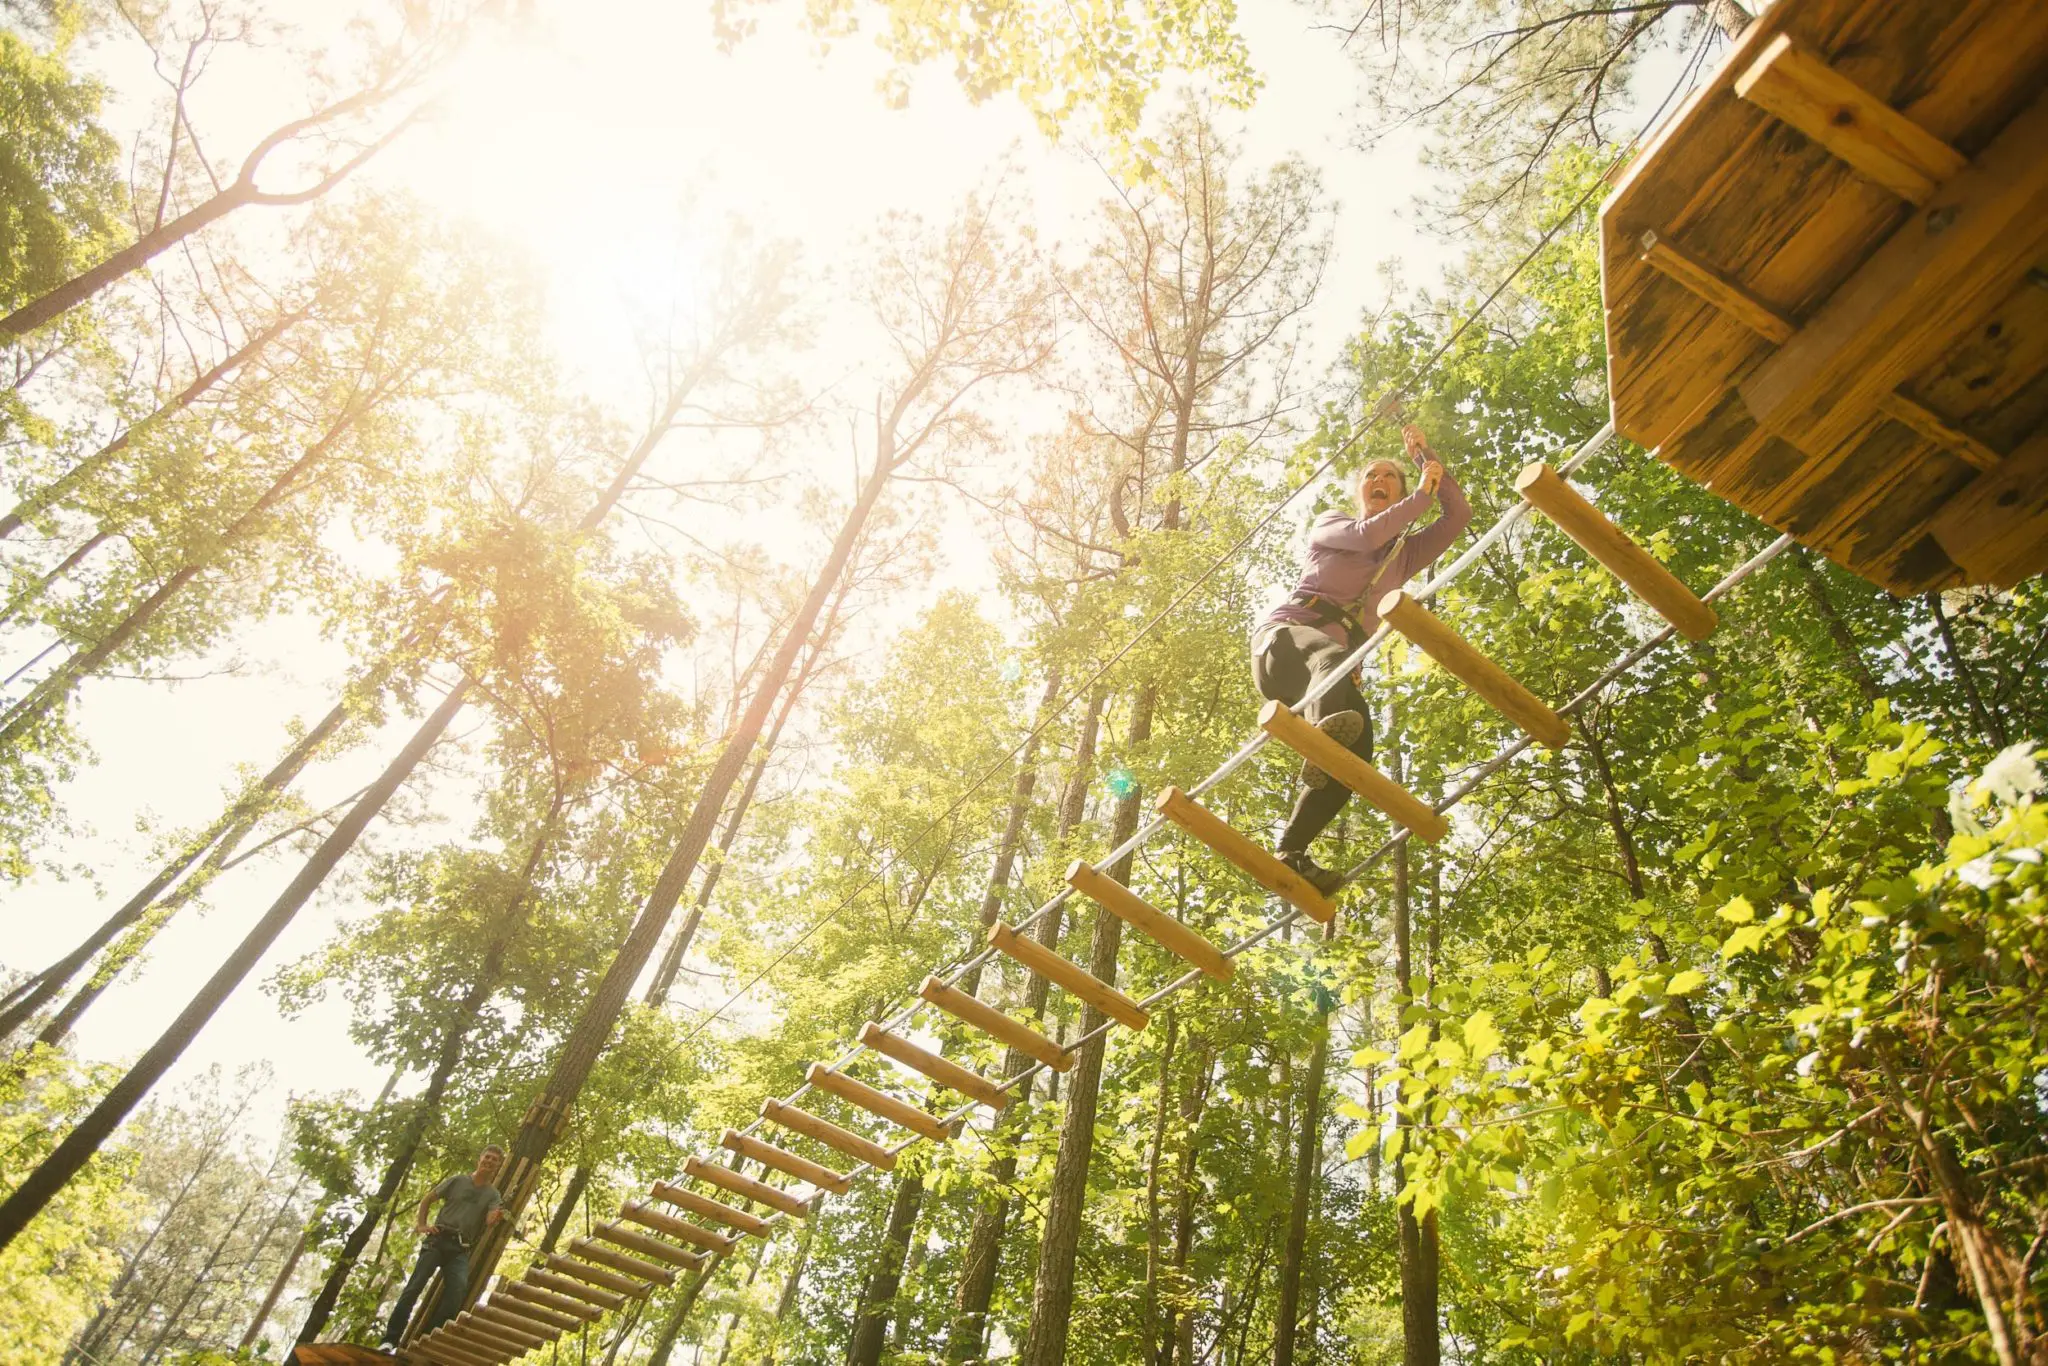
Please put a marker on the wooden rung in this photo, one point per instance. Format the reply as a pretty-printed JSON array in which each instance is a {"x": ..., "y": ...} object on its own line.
[
  {"x": 1611, "y": 546},
  {"x": 649, "y": 1246},
  {"x": 880, "y": 1104},
  {"x": 946, "y": 1073},
  {"x": 458, "y": 1344},
  {"x": 995, "y": 1024},
  {"x": 450, "y": 1344},
  {"x": 1260, "y": 866},
  {"x": 594, "y": 1251},
  {"x": 527, "y": 1293},
  {"x": 802, "y": 1121},
  {"x": 786, "y": 1162},
  {"x": 1155, "y": 924},
  {"x": 468, "y": 1327},
  {"x": 746, "y": 1187},
  {"x": 1399, "y": 805},
  {"x": 714, "y": 1209},
  {"x": 1931, "y": 425},
  {"x": 571, "y": 1287},
  {"x": 522, "y": 1308},
  {"x": 1474, "y": 669},
  {"x": 1798, "y": 87},
  {"x": 596, "y": 1275},
  {"x": 1711, "y": 287},
  {"x": 514, "y": 1330},
  {"x": 1068, "y": 974},
  {"x": 711, "y": 1240}
]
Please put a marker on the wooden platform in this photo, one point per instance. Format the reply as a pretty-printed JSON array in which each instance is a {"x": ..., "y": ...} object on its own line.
[
  {"x": 1826, "y": 286},
  {"x": 338, "y": 1354}
]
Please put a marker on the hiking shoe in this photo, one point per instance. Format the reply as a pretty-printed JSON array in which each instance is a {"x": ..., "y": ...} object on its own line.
[
  {"x": 388, "y": 1348},
  {"x": 1324, "y": 880},
  {"x": 1344, "y": 727}
]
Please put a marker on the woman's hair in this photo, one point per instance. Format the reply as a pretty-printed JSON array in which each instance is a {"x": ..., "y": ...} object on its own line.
[{"x": 1358, "y": 484}]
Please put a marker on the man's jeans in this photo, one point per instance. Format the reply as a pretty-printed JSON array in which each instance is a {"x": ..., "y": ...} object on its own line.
[{"x": 442, "y": 1252}]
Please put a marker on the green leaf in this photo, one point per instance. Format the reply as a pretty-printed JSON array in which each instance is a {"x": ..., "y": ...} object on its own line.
[
  {"x": 1481, "y": 1037},
  {"x": 1686, "y": 983}
]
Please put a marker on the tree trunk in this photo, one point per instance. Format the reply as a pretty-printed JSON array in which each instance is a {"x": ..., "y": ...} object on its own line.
[
  {"x": 1307, "y": 1184},
  {"x": 176, "y": 1317},
  {"x": 34, "y": 592},
  {"x": 1816, "y": 586},
  {"x": 38, "y": 1188},
  {"x": 673, "y": 1325},
  {"x": 460, "y": 1021},
  {"x": 271, "y": 1296},
  {"x": 1966, "y": 674},
  {"x": 87, "y": 283},
  {"x": 59, "y": 683},
  {"x": 1148, "y": 1305},
  {"x": 1421, "y": 1344},
  {"x": 885, "y": 1276},
  {"x": 565, "y": 1208},
  {"x": 1179, "y": 1342},
  {"x": 967, "y": 1334},
  {"x": 1052, "y": 1293},
  {"x": 579, "y": 1053},
  {"x": 60, "y": 488}
]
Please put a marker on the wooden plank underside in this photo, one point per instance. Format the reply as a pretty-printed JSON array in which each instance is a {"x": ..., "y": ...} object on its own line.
[{"x": 1760, "y": 203}]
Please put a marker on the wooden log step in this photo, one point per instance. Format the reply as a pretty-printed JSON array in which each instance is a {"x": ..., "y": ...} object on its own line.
[
  {"x": 649, "y": 1246},
  {"x": 737, "y": 1219},
  {"x": 1068, "y": 974},
  {"x": 948, "y": 1074},
  {"x": 465, "y": 1332},
  {"x": 518, "y": 1340},
  {"x": 1260, "y": 866},
  {"x": 541, "y": 1333},
  {"x": 1155, "y": 924},
  {"x": 1393, "y": 801},
  {"x": 786, "y": 1162},
  {"x": 616, "y": 1282},
  {"x": 995, "y": 1024},
  {"x": 880, "y": 1104},
  {"x": 746, "y": 1187},
  {"x": 1796, "y": 86},
  {"x": 711, "y": 1240},
  {"x": 524, "y": 1292},
  {"x": 533, "y": 1313},
  {"x": 1484, "y": 677},
  {"x": 571, "y": 1287},
  {"x": 455, "y": 1348},
  {"x": 1611, "y": 546},
  {"x": 802, "y": 1121},
  {"x": 594, "y": 1251}
]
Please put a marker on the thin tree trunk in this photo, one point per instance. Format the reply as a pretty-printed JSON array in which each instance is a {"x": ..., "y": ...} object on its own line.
[
  {"x": 1816, "y": 588},
  {"x": 885, "y": 1276},
  {"x": 1148, "y": 1305},
  {"x": 60, "y": 488},
  {"x": 1052, "y": 1292},
  {"x": 42, "y": 1184},
  {"x": 34, "y": 592},
  {"x": 967, "y": 1334},
  {"x": 271, "y": 1296},
  {"x": 1308, "y": 1156},
  {"x": 1421, "y": 1344},
  {"x": 665, "y": 1342},
  {"x": 592, "y": 1032},
  {"x": 1966, "y": 674},
  {"x": 461, "y": 1019},
  {"x": 565, "y": 1208},
  {"x": 59, "y": 683},
  {"x": 1179, "y": 1342},
  {"x": 177, "y": 1316}
]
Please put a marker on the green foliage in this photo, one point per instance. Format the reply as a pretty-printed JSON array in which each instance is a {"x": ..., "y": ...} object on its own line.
[{"x": 61, "y": 191}]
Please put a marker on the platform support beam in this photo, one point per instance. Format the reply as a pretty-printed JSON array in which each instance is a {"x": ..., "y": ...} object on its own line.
[{"x": 1798, "y": 87}]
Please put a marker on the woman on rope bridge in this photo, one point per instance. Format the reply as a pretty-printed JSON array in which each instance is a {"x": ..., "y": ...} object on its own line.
[{"x": 1352, "y": 563}]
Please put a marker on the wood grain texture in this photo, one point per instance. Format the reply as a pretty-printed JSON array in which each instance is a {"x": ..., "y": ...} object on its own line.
[
  {"x": 1392, "y": 800},
  {"x": 942, "y": 1070},
  {"x": 785, "y": 1161},
  {"x": 1155, "y": 924},
  {"x": 1254, "y": 862},
  {"x": 995, "y": 1024},
  {"x": 1997, "y": 528}
]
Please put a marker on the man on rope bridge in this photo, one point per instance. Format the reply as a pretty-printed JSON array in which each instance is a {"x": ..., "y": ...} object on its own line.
[
  {"x": 470, "y": 1203},
  {"x": 1352, "y": 561}
]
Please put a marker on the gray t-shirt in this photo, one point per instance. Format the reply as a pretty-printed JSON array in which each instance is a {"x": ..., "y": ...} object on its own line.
[{"x": 464, "y": 1206}]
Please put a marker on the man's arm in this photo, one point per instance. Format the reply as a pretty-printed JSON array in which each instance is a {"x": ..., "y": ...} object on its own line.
[{"x": 427, "y": 1202}]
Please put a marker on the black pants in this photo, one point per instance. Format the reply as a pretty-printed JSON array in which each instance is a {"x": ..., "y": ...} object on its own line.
[
  {"x": 442, "y": 1252},
  {"x": 1286, "y": 662}
]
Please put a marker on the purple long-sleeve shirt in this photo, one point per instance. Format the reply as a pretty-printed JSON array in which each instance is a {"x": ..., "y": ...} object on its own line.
[{"x": 1346, "y": 554}]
